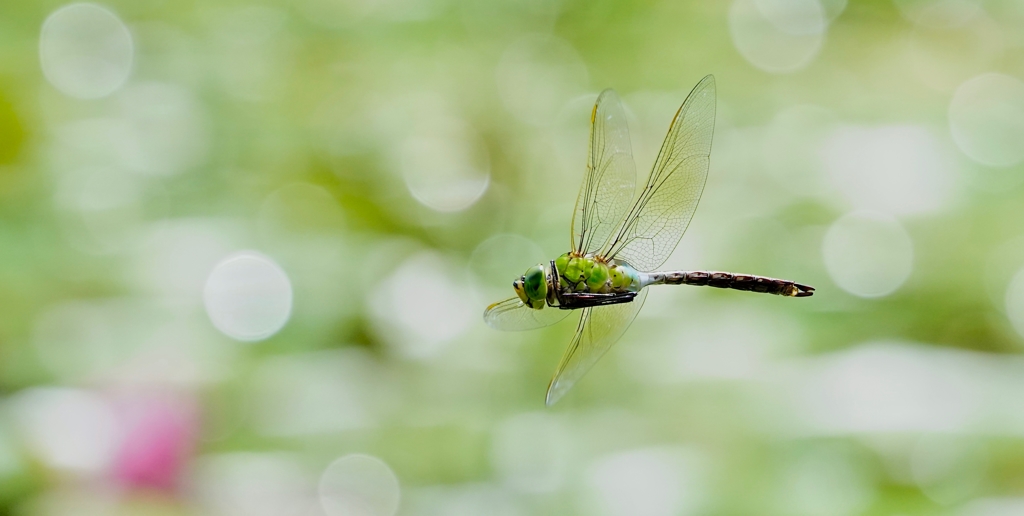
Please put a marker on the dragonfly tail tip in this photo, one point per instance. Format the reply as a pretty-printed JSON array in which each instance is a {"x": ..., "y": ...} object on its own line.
[{"x": 803, "y": 290}]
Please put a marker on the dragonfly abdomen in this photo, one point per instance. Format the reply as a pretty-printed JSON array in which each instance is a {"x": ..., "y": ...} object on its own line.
[{"x": 746, "y": 282}]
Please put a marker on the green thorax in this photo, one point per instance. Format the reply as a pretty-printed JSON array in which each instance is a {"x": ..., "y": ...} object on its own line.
[{"x": 588, "y": 274}]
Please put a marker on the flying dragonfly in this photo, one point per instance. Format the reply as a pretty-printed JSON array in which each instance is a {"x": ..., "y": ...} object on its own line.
[{"x": 618, "y": 241}]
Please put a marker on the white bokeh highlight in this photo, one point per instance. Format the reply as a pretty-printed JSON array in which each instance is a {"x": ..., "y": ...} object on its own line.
[
  {"x": 359, "y": 485},
  {"x": 892, "y": 387},
  {"x": 899, "y": 387},
  {"x": 420, "y": 308},
  {"x": 900, "y": 170},
  {"x": 778, "y": 36},
  {"x": 644, "y": 482},
  {"x": 446, "y": 168},
  {"x": 68, "y": 429},
  {"x": 85, "y": 51},
  {"x": 867, "y": 254},
  {"x": 986, "y": 119},
  {"x": 248, "y": 296}
]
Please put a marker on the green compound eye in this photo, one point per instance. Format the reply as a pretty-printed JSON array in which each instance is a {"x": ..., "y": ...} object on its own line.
[{"x": 535, "y": 284}]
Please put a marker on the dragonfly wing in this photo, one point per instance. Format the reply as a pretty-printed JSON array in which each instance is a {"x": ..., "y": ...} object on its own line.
[
  {"x": 512, "y": 315},
  {"x": 665, "y": 206},
  {"x": 610, "y": 181},
  {"x": 599, "y": 328}
]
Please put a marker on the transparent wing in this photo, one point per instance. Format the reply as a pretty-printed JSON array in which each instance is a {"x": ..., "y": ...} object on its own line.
[
  {"x": 659, "y": 217},
  {"x": 512, "y": 315},
  {"x": 599, "y": 328},
  {"x": 609, "y": 183}
]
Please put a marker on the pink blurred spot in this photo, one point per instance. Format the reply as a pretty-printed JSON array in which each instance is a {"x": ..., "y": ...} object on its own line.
[{"x": 158, "y": 441}]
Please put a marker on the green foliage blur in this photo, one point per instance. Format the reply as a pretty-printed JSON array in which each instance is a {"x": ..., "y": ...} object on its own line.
[{"x": 388, "y": 167}]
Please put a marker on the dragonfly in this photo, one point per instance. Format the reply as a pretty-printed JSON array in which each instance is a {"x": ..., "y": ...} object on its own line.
[{"x": 620, "y": 238}]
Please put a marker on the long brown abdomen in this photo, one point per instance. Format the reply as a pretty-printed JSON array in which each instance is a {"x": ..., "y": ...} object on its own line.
[{"x": 744, "y": 282}]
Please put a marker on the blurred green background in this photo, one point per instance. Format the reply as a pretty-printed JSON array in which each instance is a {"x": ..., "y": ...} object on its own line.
[{"x": 245, "y": 249}]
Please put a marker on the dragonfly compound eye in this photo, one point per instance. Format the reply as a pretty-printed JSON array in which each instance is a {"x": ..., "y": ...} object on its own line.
[{"x": 535, "y": 284}]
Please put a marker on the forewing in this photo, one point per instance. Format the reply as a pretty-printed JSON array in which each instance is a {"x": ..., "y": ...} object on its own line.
[
  {"x": 512, "y": 315},
  {"x": 599, "y": 328},
  {"x": 664, "y": 208},
  {"x": 610, "y": 180}
]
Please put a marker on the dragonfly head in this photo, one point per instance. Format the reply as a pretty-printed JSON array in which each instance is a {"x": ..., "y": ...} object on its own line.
[{"x": 532, "y": 287}]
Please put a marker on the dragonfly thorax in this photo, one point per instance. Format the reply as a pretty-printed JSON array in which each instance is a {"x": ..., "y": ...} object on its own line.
[{"x": 591, "y": 274}]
